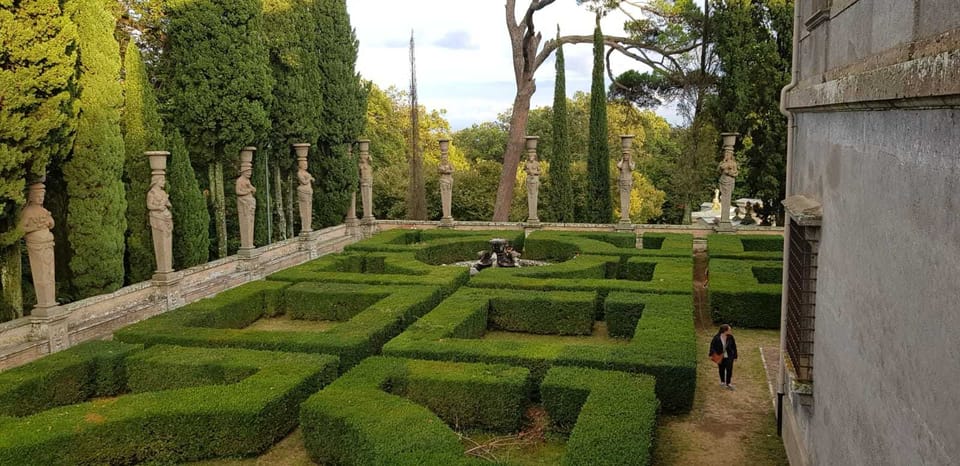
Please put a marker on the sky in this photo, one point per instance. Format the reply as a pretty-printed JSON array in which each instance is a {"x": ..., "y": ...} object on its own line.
[{"x": 463, "y": 53}]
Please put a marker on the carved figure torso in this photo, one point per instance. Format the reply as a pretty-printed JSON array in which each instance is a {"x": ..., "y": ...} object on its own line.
[{"x": 158, "y": 203}]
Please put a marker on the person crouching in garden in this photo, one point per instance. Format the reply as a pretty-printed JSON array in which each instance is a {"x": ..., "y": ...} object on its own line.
[{"x": 725, "y": 349}]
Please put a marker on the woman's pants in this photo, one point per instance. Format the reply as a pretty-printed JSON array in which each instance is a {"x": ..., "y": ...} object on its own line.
[{"x": 726, "y": 370}]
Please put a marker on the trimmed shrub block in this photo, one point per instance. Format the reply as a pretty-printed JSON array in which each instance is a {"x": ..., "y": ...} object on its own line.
[
  {"x": 561, "y": 246},
  {"x": 663, "y": 343},
  {"x": 648, "y": 274},
  {"x": 438, "y": 246},
  {"x": 613, "y": 415},
  {"x": 175, "y": 425},
  {"x": 750, "y": 247},
  {"x": 389, "y": 269},
  {"x": 85, "y": 371},
  {"x": 354, "y": 339},
  {"x": 738, "y": 297},
  {"x": 398, "y": 411}
]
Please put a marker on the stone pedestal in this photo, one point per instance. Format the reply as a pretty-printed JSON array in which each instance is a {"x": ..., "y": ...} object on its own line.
[
  {"x": 446, "y": 185},
  {"x": 51, "y": 327},
  {"x": 532, "y": 167},
  {"x": 639, "y": 243},
  {"x": 167, "y": 289}
]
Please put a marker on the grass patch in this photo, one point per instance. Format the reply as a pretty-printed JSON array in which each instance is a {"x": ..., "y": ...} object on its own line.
[
  {"x": 599, "y": 336},
  {"x": 284, "y": 323}
]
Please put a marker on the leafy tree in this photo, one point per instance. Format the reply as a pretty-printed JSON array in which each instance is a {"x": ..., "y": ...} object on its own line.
[
  {"x": 558, "y": 192},
  {"x": 482, "y": 141},
  {"x": 191, "y": 240},
  {"x": 216, "y": 75},
  {"x": 598, "y": 157},
  {"x": 753, "y": 43},
  {"x": 336, "y": 173},
  {"x": 37, "y": 76},
  {"x": 142, "y": 131},
  {"x": 93, "y": 174}
]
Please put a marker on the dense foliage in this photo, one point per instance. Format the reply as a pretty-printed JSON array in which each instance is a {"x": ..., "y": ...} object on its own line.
[
  {"x": 142, "y": 131},
  {"x": 598, "y": 157},
  {"x": 557, "y": 189},
  {"x": 191, "y": 243},
  {"x": 95, "y": 214}
]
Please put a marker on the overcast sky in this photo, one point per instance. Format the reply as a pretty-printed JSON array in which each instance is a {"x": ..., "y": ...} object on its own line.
[{"x": 463, "y": 52}]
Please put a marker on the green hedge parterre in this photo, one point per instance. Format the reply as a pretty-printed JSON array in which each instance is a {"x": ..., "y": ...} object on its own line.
[
  {"x": 185, "y": 420},
  {"x": 749, "y": 247},
  {"x": 612, "y": 414},
  {"x": 663, "y": 343},
  {"x": 397, "y": 411},
  {"x": 738, "y": 298},
  {"x": 354, "y": 339},
  {"x": 561, "y": 246}
]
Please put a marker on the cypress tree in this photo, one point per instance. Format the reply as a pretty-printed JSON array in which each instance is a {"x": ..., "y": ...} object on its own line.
[
  {"x": 298, "y": 93},
  {"x": 258, "y": 178},
  {"x": 37, "y": 74},
  {"x": 142, "y": 131},
  {"x": 96, "y": 206},
  {"x": 191, "y": 240},
  {"x": 218, "y": 84},
  {"x": 343, "y": 121},
  {"x": 600, "y": 207},
  {"x": 559, "y": 190}
]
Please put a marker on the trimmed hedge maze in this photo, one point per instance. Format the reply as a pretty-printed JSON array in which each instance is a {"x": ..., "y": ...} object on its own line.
[
  {"x": 170, "y": 404},
  {"x": 426, "y": 351},
  {"x": 745, "y": 279}
]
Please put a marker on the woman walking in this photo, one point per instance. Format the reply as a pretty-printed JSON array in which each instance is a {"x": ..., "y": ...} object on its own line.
[{"x": 724, "y": 345}]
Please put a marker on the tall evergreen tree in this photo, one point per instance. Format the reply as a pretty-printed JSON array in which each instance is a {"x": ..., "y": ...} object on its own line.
[
  {"x": 218, "y": 83},
  {"x": 598, "y": 155},
  {"x": 558, "y": 189},
  {"x": 191, "y": 240},
  {"x": 37, "y": 75},
  {"x": 93, "y": 175},
  {"x": 297, "y": 107},
  {"x": 342, "y": 122},
  {"x": 142, "y": 131},
  {"x": 261, "y": 224}
]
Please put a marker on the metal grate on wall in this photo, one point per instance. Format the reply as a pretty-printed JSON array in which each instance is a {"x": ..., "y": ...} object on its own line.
[{"x": 801, "y": 298}]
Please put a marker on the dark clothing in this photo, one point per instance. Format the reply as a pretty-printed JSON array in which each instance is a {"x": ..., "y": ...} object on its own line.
[
  {"x": 716, "y": 346},
  {"x": 726, "y": 365},
  {"x": 726, "y": 370}
]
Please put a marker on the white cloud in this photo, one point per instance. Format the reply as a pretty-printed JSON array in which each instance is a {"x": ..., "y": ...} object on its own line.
[{"x": 463, "y": 54}]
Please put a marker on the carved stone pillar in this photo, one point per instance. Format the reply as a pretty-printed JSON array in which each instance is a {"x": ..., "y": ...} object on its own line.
[
  {"x": 366, "y": 181},
  {"x": 532, "y": 167},
  {"x": 625, "y": 180},
  {"x": 36, "y": 223},
  {"x": 246, "y": 202},
  {"x": 304, "y": 188},
  {"x": 728, "y": 178},
  {"x": 446, "y": 183},
  {"x": 161, "y": 220}
]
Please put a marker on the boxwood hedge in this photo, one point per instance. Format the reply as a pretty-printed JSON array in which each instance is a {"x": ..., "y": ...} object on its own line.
[
  {"x": 375, "y": 269},
  {"x": 439, "y": 246},
  {"x": 398, "y": 411},
  {"x": 745, "y": 293},
  {"x": 93, "y": 369},
  {"x": 751, "y": 247},
  {"x": 663, "y": 343},
  {"x": 173, "y": 425},
  {"x": 561, "y": 246},
  {"x": 671, "y": 275},
  {"x": 612, "y": 414},
  {"x": 219, "y": 321}
]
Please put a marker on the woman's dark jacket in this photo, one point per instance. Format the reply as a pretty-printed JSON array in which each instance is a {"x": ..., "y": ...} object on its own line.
[{"x": 716, "y": 346}]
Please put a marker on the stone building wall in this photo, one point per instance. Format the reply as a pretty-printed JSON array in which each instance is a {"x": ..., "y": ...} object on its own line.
[{"x": 877, "y": 142}]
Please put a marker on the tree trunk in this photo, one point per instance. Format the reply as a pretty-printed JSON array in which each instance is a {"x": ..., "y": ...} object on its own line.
[
  {"x": 219, "y": 202},
  {"x": 281, "y": 207},
  {"x": 11, "y": 273},
  {"x": 515, "y": 149}
]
